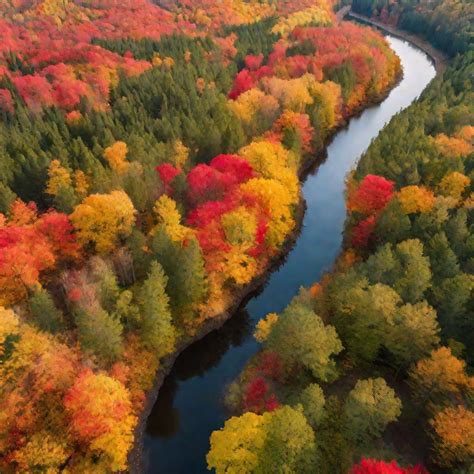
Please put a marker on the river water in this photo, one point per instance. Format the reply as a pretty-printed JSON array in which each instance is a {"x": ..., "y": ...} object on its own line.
[{"x": 190, "y": 406}]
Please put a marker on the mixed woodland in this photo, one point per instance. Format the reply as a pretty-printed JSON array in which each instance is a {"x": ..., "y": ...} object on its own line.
[
  {"x": 149, "y": 170},
  {"x": 370, "y": 369}
]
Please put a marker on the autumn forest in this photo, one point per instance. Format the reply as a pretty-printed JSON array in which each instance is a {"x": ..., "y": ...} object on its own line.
[{"x": 152, "y": 157}]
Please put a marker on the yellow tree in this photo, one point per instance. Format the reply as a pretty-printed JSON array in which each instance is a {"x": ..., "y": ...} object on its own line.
[
  {"x": 273, "y": 161},
  {"x": 264, "y": 327},
  {"x": 453, "y": 436},
  {"x": 416, "y": 199},
  {"x": 59, "y": 177},
  {"x": 454, "y": 185},
  {"x": 168, "y": 214},
  {"x": 103, "y": 219},
  {"x": 116, "y": 157},
  {"x": 439, "y": 377},
  {"x": 277, "y": 201}
]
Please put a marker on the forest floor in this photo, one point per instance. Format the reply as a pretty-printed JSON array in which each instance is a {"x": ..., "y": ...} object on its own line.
[{"x": 440, "y": 59}]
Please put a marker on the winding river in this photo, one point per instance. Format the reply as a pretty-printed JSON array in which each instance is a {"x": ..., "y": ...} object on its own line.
[{"x": 190, "y": 406}]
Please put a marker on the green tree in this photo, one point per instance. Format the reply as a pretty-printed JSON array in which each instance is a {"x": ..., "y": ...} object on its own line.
[
  {"x": 157, "y": 330},
  {"x": 370, "y": 406},
  {"x": 294, "y": 338},
  {"x": 45, "y": 314},
  {"x": 312, "y": 399},
  {"x": 100, "y": 333}
]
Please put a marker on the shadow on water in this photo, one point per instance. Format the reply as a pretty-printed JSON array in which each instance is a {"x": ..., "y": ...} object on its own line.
[{"x": 189, "y": 406}]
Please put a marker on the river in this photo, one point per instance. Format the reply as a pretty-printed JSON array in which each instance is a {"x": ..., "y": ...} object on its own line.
[{"x": 189, "y": 406}]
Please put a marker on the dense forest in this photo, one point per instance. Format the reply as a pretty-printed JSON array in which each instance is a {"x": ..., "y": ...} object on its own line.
[
  {"x": 446, "y": 24},
  {"x": 148, "y": 171},
  {"x": 393, "y": 320}
]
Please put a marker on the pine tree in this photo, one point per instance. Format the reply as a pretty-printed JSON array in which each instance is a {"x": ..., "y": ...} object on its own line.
[
  {"x": 157, "y": 331},
  {"x": 46, "y": 316}
]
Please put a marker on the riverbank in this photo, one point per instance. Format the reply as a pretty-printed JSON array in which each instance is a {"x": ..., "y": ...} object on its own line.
[
  {"x": 245, "y": 294},
  {"x": 440, "y": 59}
]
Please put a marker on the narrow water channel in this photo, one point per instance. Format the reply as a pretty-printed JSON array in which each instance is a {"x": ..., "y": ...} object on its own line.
[{"x": 190, "y": 406}]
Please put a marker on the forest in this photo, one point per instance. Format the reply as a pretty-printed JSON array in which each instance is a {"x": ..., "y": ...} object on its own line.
[
  {"x": 393, "y": 319},
  {"x": 149, "y": 170}
]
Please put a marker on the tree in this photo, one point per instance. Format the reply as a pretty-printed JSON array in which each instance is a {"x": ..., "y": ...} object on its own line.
[
  {"x": 439, "y": 378},
  {"x": 99, "y": 333},
  {"x": 368, "y": 409},
  {"x": 293, "y": 336},
  {"x": 290, "y": 444},
  {"x": 454, "y": 184},
  {"x": 372, "y": 466},
  {"x": 416, "y": 199},
  {"x": 157, "y": 331},
  {"x": 392, "y": 225},
  {"x": 371, "y": 195},
  {"x": 443, "y": 260},
  {"x": 454, "y": 436},
  {"x": 168, "y": 215},
  {"x": 413, "y": 274},
  {"x": 103, "y": 219},
  {"x": 116, "y": 157},
  {"x": 312, "y": 399},
  {"x": 46, "y": 316},
  {"x": 281, "y": 440},
  {"x": 101, "y": 417},
  {"x": 238, "y": 445}
]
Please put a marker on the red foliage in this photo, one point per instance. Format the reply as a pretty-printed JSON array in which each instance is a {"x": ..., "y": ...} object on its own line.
[
  {"x": 30, "y": 245},
  {"x": 371, "y": 196},
  {"x": 372, "y": 466},
  {"x": 6, "y": 101},
  {"x": 211, "y": 182},
  {"x": 270, "y": 366},
  {"x": 295, "y": 124},
  {"x": 253, "y": 62},
  {"x": 243, "y": 82},
  {"x": 167, "y": 173},
  {"x": 363, "y": 233},
  {"x": 257, "y": 397}
]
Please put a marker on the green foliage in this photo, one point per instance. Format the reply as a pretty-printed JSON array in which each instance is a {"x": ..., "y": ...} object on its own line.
[
  {"x": 45, "y": 314},
  {"x": 157, "y": 330},
  {"x": 312, "y": 399},
  {"x": 368, "y": 409},
  {"x": 293, "y": 338},
  {"x": 99, "y": 333}
]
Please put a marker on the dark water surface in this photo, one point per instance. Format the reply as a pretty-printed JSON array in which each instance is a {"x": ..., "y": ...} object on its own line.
[{"x": 189, "y": 406}]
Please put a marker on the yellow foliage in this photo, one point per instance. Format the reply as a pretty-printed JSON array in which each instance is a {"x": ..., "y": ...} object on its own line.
[
  {"x": 454, "y": 184},
  {"x": 453, "y": 147},
  {"x": 9, "y": 325},
  {"x": 264, "y": 327},
  {"x": 466, "y": 133},
  {"x": 81, "y": 184},
  {"x": 416, "y": 199},
  {"x": 239, "y": 266},
  {"x": 292, "y": 94},
  {"x": 102, "y": 219},
  {"x": 273, "y": 161},
  {"x": 181, "y": 154},
  {"x": 277, "y": 200},
  {"x": 167, "y": 214},
  {"x": 454, "y": 436},
  {"x": 59, "y": 177},
  {"x": 234, "y": 448},
  {"x": 156, "y": 60},
  {"x": 43, "y": 452},
  {"x": 240, "y": 226},
  {"x": 116, "y": 157},
  {"x": 328, "y": 95},
  {"x": 319, "y": 15},
  {"x": 252, "y": 104}
]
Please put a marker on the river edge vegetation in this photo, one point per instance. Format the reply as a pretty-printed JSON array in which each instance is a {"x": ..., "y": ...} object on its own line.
[
  {"x": 369, "y": 370},
  {"x": 146, "y": 176}
]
